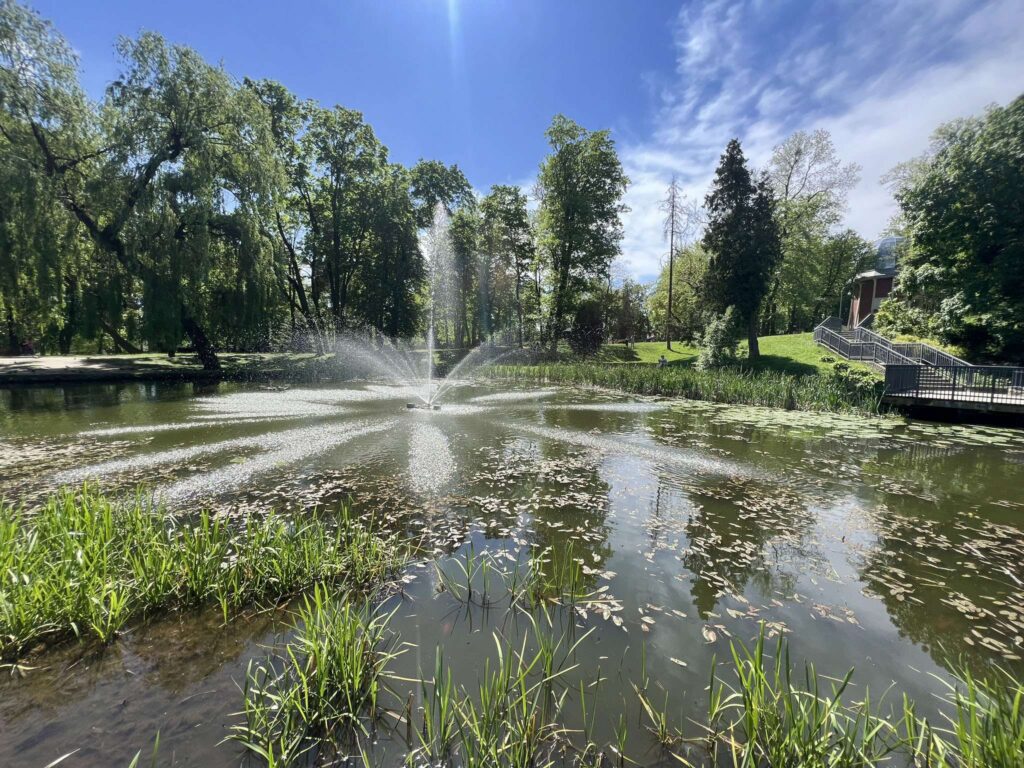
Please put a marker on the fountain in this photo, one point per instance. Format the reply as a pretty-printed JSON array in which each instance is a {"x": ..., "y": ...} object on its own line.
[{"x": 372, "y": 354}]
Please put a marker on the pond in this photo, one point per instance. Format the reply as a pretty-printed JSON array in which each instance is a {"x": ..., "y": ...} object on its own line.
[{"x": 893, "y": 547}]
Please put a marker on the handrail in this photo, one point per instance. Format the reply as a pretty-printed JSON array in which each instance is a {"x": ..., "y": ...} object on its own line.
[
  {"x": 869, "y": 351},
  {"x": 991, "y": 384},
  {"x": 916, "y": 351}
]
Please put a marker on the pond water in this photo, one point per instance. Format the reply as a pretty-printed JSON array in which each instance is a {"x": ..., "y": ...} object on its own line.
[{"x": 883, "y": 545}]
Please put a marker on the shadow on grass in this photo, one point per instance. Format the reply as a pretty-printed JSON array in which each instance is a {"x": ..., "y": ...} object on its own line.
[
  {"x": 782, "y": 365},
  {"x": 616, "y": 353}
]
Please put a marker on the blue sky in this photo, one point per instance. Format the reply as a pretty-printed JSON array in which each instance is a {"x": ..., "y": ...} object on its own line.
[{"x": 477, "y": 81}]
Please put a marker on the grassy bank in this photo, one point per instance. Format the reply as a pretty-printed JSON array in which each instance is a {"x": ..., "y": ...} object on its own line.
[
  {"x": 85, "y": 566},
  {"x": 819, "y": 392},
  {"x": 160, "y": 367},
  {"x": 793, "y": 353}
]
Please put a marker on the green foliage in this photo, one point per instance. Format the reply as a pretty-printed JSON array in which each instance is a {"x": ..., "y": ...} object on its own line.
[
  {"x": 325, "y": 683},
  {"x": 810, "y": 185},
  {"x": 433, "y": 182},
  {"x": 720, "y": 341},
  {"x": 508, "y": 241},
  {"x": 689, "y": 265},
  {"x": 961, "y": 276},
  {"x": 581, "y": 185},
  {"x": 742, "y": 241},
  {"x": 629, "y": 318},
  {"x": 188, "y": 205},
  {"x": 83, "y": 565}
]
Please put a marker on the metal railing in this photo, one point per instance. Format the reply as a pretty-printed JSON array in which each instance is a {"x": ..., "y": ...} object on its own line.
[
  {"x": 981, "y": 384},
  {"x": 854, "y": 348},
  {"x": 915, "y": 351},
  {"x": 928, "y": 354}
]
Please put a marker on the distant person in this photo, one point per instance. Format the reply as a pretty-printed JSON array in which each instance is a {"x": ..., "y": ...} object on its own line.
[{"x": 662, "y": 362}]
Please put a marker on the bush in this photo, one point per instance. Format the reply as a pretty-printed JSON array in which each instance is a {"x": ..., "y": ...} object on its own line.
[{"x": 720, "y": 341}]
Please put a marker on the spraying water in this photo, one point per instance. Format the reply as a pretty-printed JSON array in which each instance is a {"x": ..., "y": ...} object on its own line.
[{"x": 440, "y": 266}]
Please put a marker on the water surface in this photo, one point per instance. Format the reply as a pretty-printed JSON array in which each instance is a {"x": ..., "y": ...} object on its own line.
[{"x": 887, "y": 546}]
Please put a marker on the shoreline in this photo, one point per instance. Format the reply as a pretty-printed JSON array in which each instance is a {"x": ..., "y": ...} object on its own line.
[{"x": 109, "y": 369}]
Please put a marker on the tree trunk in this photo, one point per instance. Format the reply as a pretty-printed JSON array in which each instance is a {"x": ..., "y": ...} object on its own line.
[
  {"x": 12, "y": 333},
  {"x": 558, "y": 309},
  {"x": 122, "y": 344},
  {"x": 519, "y": 312},
  {"x": 200, "y": 342},
  {"x": 753, "y": 351}
]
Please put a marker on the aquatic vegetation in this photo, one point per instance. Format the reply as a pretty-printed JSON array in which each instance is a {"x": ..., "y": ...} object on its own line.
[
  {"x": 323, "y": 690},
  {"x": 85, "y": 565},
  {"x": 510, "y": 718},
  {"x": 765, "y": 718},
  {"x": 766, "y": 388},
  {"x": 985, "y": 728}
]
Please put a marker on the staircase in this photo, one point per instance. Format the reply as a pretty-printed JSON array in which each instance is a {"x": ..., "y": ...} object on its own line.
[
  {"x": 920, "y": 374},
  {"x": 860, "y": 344}
]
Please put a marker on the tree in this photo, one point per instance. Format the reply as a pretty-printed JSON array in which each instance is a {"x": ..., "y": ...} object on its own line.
[
  {"x": 149, "y": 175},
  {"x": 680, "y": 220},
  {"x": 465, "y": 237},
  {"x": 688, "y": 267},
  {"x": 629, "y": 318},
  {"x": 742, "y": 240},
  {"x": 963, "y": 208},
  {"x": 508, "y": 237},
  {"x": 810, "y": 184},
  {"x": 581, "y": 184},
  {"x": 434, "y": 182}
]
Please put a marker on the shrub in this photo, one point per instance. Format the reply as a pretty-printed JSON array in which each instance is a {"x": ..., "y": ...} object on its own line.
[{"x": 720, "y": 341}]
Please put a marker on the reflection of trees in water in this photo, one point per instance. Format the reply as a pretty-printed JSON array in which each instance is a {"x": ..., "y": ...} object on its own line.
[
  {"x": 568, "y": 508},
  {"x": 951, "y": 582},
  {"x": 740, "y": 534},
  {"x": 938, "y": 472}
]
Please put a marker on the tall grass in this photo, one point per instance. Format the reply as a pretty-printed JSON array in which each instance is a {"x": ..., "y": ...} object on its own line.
[
  {"x": 764, "y": 718},
  {"x": 724, "y": 385},
  {"x": 84, "y": 565},
  {"x": 323, "y": 691}
]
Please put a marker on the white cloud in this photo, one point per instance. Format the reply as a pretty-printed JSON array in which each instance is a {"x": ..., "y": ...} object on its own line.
[{"x": 880, "y": 76}]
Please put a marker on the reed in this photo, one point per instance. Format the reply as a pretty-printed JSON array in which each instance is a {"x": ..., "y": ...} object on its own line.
[
  {"x": 769, "y": 388},
  {"x": 984, "y": 725},
  {"x": 83, "y": 565},
  {"x": 323, "y": 689},
  {"x": 764, "y": 718}
]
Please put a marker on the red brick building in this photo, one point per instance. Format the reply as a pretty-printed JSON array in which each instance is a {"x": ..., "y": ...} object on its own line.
[{"x": 871, "y": 287}]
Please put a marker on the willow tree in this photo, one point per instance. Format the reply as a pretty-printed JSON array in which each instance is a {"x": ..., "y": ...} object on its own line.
[
  {"x": 581, "y": 185},
  {"x": 163, "y": 175}
]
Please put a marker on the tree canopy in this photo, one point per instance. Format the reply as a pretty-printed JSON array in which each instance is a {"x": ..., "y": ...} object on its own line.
[
  {"x": 742, "y": 240},
  {"x": 962, "y": 208}
]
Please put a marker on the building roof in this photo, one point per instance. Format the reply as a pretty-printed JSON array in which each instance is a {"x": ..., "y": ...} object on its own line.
[{"x": 872, "y": 274}]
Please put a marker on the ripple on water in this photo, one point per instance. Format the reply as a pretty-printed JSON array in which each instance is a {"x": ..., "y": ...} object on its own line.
[
  {"x": 431, "y": 463},
  {"x": 507, "y": 397},
  {"x": 293, "y": 446},
  {"x": 655, "y": 453}
]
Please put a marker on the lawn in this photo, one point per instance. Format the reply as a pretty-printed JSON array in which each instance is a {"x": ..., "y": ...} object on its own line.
[{"x": 793, "y": 353}]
